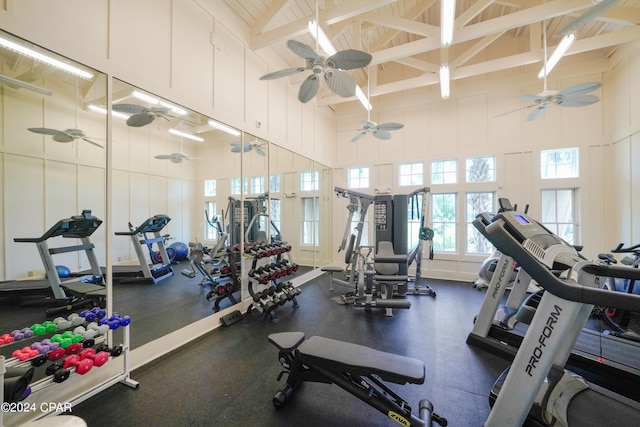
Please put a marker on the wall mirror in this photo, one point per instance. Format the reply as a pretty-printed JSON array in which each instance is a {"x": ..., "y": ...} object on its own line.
[
  {"x": 172, "y": 175},
  {"x": 53, "y": 173}
]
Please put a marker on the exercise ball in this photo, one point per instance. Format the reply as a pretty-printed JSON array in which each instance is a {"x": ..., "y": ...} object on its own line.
[
  {"x": 182, "y": 250},
  {"x": 63, "y": 271}
]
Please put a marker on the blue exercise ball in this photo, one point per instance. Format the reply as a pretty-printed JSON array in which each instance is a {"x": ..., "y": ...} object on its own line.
[
  {"x": 63, "y": 271},
  {"x": 181, "y": 249}
]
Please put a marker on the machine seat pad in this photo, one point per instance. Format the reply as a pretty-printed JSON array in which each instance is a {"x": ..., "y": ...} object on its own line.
[
  {"x": 336, "y": 355},
  {"x": 332, "y": 269},
  {"x": 390, "y": 278},
  {"x": 286, "y": 341}
]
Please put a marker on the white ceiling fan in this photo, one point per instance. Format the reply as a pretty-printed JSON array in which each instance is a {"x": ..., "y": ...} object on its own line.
[
  {"x": 600, "y": 6},
  {"x": 258, "y": 147},
  {"x": 331, "y": 68},
  {"x": 574, "y": 96},
  {"x": 142, "y": 116},
  {"x": 67, "y": 135},
  {"x": 177, "y": 157}
]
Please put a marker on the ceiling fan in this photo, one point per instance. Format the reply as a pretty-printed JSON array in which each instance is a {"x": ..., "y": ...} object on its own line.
[
  {"x": 574, "y": 96},
  {"x": 599, "y": 7},
  {"x": 67, "y": 135},
  {"x": 174, "y": 157},
  {"x": 237, "y": 147},
  {"x": 332, "y": 68},
  {"x": 142, "y": 116}
]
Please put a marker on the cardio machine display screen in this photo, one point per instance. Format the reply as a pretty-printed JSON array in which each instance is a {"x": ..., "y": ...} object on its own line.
[{"x": 521, "y": 219}]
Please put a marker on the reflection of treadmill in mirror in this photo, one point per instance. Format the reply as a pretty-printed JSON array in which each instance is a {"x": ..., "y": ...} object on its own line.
[
  {"x": 78, "y": 291},
  {"x": 537, "y": 375},
  {"x": 144, "y": 272}
]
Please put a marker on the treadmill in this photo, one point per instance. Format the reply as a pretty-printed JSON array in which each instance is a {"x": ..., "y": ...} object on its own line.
[
  {"x": 64, "y": 295},
  {"x": 606, "y": 360},
  {"x": 538, "y": 388},
  {"x": 145, "y": 272}
]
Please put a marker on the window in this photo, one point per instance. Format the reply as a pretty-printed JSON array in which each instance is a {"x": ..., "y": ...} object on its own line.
[
  {"x": 359, "y": 177},
  {"x": 209, "y": 187},
  {"x": 211, "y": 230},
  {"x": 257, "y": 184},
  {"x": 239, "y": 186},
  {"x": 364, "y": 237},
  {"x": 561, "y": 163},
  {"x": 558, "y": 213},
  {"x": 481, "y": 169},
  {"x": 444, "y": 172},
  {"x": 274, "y": 216},
  {"x": 414, "y": 213},
  {"x": 411, "y": 173},
  {"x": 311, "y": 213},
  {"x": 478, "y": 203},
  {"x": 443, "y": 221},
  {"x": 309, "y": 181},
  {"x": 274, "y": 183}
]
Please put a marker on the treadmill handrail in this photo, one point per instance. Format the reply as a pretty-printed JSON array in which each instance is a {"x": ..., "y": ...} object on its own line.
[
  {"x": 150, "y": 225},
  {"x": 507, "y": 244},
  {"x": 76, "y": 227}
]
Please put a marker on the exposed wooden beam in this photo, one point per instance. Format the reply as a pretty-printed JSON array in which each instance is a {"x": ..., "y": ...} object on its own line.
[
  {"x": 341, "y": 12},
  {"x": 264, "y": 19},
  {"x": 427, "y": 67},
  {"x": 476, "y": 9},
  {"x": 475, "y": 49},
  {"x": 401, "y": 24},
  {"x": 417, "y": 10}
]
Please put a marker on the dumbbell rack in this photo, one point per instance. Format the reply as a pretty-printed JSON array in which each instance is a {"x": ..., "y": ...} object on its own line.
[
  {"x": 231, "y": 271},
  {"x": 82, "y": 345},
  {"x": 268, "y": 266}
]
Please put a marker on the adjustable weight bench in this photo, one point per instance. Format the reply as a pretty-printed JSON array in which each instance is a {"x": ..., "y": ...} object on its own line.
[{"x": 355, "y": 368}]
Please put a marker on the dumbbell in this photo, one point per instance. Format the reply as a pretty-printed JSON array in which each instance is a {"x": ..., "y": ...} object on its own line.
[
  {"x": 115, "y": 321},
  {"x": 44, "y": 328},
  {"x": 82, "y": 366},
  {"x": 20, "y": 334},
  {"x": 67, "y": 338},
  {"x": 59, "y": 373},
  {"x": 99, "y": 358}
]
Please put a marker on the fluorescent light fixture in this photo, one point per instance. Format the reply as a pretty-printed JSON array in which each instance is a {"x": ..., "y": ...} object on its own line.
[
  {"x": 16, "y": 82},
  {"x": 447, "y": 19},
  {"x": 557, "y": 54},
  {"x": 223, "y": 127},
  {"x": 144, "y": 97},
  {"x": 176, "y": 110},
  {"x": 41, "y": 57},
  {"x": 186, "y": 135},
  {"x": 444, "y": 81},
  {"x": 323, "y": 40},
  {"x": 102, "y": 110}
]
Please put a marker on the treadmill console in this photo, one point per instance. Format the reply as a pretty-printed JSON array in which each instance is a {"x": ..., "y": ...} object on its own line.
[{"x": 548, "y": 248}]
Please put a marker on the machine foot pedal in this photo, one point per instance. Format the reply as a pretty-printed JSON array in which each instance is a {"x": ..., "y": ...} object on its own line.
[{"x": 231, "y": 318}]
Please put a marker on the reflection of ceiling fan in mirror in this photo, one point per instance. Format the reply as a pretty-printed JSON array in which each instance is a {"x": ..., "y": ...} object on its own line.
[
  {"x": 142, "y": 116},
  {"x": 174, "y": 157},
  {"x": 67, "y": 135},
  {"x": 258, "y": 147},
  {"x": 331, "y": 68}
]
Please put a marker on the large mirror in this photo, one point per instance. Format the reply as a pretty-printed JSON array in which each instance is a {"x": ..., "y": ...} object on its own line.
[{"x": 53, "y": 181}]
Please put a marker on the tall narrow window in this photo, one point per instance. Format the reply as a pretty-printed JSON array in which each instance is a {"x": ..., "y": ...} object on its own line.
[
  {"x": 481, "y": 169},
  {"x": 561, "y": 163},
  {"x": 209, "y": 187},
  {"x": 444, "y": 172},
  {"x": 257, "y": 184},
  {"x": 359, "y": 177},
  {"x": 411, "y": 173},
  {"x": 443, "y": 221},
  {"x": 309, "y": 181},
  {"x": 239, "y": 185},
  {"x": 478, "y": 203},
  {"x": 274, "y": 183},
  {"x": 558, "y": 213},
  {"x": 274, "y": 216},
  {"x": 211, "y": 230},
  {"x": 311, "y": 213}
]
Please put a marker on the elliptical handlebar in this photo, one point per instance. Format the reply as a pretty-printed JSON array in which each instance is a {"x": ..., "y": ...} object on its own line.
[
  {"x": 506, "y": 243},
  {"x": 631, "y": 249}
]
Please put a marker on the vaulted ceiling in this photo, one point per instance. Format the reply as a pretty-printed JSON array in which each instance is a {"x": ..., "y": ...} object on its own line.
[{"x": 403, "y": 36}]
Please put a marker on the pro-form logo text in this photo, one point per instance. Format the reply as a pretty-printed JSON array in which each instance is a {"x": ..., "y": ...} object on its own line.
[{"x": 538, "y": 351}]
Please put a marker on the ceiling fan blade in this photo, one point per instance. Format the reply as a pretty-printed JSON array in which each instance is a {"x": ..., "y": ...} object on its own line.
[
  {"x": 578, "y": 101},
  {"x": 45, "y": 131},
  {"x": 282, "y": 73},
  {"x": 92, "y": 142},
  {"x": 381, "y": 134},
  {"x": 390, "y": 126},
  {"x": 309, "y": 88},
  {"x": 139, "y": 120},
  {"x": 367, "y": 124},
  {"x": 349, "y": 59},
  {"x": 260, "y": 151},
  {"x": 129, "y": 108},
  {"x": 580, "y": 89},
  {"x": 340, "y": 82},
  {"x": 163, "y": 156},
  {"x": 596, "y": 10},
  {"x": 358, "y": 136},
  {"x": 302, "y": 50},
  {"x": 63, "y": 137},
  {"x": 534, "y": 98},
  {"x": 537, "y": 113}
]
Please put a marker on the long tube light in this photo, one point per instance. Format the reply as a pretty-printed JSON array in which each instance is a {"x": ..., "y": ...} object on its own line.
[
  {"x": 185, "y": 135},
  {"x": 41, "y": 57},
  {"x": 447, "y": 19},
  {"x": 224, "y": 128},
  {"x": 20, "y": 83},
  {"x": 557, "y": 54},
  {"x": 325, "y": 43},
  {"x": 444, "y": 81},
  {"x": 153, "y": 100},
  {"x": 102, "y": 110}
]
